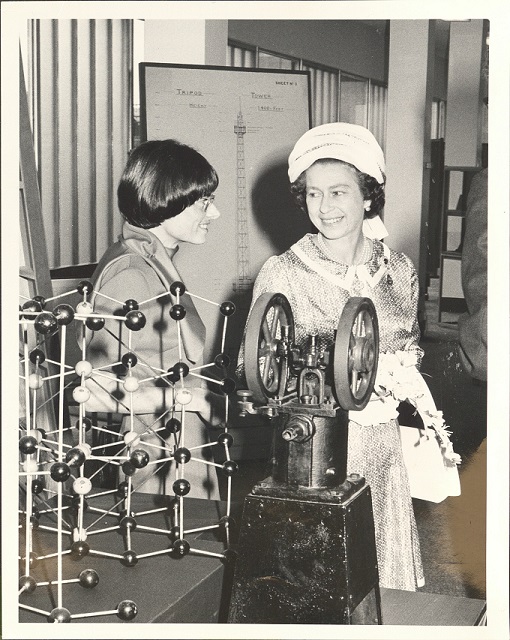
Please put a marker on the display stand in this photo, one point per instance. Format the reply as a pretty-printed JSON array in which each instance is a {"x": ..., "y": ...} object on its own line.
[
  {"x": 166, "y": 589},
  {"x": 197, "y": 589}
]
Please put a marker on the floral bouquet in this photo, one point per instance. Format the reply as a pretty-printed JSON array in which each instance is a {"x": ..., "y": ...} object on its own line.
[{"x": 398, "y": 377}]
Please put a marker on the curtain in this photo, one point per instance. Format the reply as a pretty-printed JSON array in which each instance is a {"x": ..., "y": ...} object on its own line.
[
  {"x": 241, "y": 57},
  {"x": 80, "y": 84},
  {"x": 377, "y": 103},
  {"x": 272, "y": 61},
  {"x": 353, "y": 100},
  {"x": 324, "y": 95}
]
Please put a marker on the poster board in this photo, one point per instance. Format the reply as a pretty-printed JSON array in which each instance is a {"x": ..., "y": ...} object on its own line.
[{"x": 245, "y": 122}]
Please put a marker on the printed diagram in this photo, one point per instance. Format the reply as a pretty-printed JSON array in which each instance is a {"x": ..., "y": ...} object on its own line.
[{"x": 243, "y": 281}]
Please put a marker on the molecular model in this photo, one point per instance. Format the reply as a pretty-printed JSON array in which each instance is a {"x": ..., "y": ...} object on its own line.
[{"x": 58, "y": 466}]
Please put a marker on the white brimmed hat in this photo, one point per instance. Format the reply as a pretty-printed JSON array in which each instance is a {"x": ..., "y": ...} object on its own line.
[{"x": 351, "y": 143}]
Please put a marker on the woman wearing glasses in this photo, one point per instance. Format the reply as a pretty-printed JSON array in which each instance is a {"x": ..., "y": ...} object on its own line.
[{"x": 166, "y": 197}]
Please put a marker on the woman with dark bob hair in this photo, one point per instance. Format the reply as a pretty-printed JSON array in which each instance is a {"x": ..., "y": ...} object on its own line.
[
  {"x": 166, "y": 196},
  {"x": 337, "y": 175}
]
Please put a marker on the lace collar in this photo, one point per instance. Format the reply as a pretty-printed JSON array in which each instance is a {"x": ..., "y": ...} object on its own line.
[{"x": 369, "y": 274}]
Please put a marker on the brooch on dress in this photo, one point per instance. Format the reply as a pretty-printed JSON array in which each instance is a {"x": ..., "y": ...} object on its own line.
[{"x": 389, "y": 279}]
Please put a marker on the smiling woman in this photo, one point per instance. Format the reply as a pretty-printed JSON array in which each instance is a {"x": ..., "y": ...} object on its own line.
[
  {"x": 337, "y": 177},
  {"x": 336, "y": 208},
  {"x": 190, "y": 226},
  {"x": 166, "y": 198}
]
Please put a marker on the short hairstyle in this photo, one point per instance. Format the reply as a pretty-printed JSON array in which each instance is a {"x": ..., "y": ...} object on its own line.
[
  {"x": 369, "y": 186},
  {"x": 160, "y": 180}
]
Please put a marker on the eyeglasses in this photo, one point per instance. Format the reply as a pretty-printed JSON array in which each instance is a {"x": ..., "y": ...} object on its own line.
[{"x": 205, "y": 202}]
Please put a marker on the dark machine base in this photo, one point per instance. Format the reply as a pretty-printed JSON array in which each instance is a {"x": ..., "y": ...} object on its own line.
[{"x": 303, "y": 559}]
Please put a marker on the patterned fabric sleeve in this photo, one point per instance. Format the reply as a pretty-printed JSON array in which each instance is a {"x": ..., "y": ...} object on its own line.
[{"x": 271, "y": 278}]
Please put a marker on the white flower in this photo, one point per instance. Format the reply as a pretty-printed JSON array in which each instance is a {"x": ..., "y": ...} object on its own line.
[
  {"x": 398, "y": 376},
  {"x": 407, "y": 358}
]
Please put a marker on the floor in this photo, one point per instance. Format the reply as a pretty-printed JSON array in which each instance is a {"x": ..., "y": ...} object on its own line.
[{"x": 452, "y": 533}]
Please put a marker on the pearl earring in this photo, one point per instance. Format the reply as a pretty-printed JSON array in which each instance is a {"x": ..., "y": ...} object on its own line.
[{"x": 367, "y": 206}]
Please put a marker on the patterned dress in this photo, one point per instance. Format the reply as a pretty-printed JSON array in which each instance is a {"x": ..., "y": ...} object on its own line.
[{"x": 317, "y": 289}]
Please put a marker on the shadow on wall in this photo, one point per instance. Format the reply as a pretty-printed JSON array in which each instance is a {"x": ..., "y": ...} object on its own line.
[
  {"x": 274, "y": 210},
  {"x": 281, "y": 223}
]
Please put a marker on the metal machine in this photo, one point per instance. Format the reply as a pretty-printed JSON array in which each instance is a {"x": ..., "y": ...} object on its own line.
[{"x": 306, "y": 550}]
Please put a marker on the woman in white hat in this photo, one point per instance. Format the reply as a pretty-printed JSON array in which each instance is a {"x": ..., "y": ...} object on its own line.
[{"x": 337, "y": 177}]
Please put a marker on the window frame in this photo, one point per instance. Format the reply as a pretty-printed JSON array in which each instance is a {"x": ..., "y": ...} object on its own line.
[{"x": 306, "y": 64}]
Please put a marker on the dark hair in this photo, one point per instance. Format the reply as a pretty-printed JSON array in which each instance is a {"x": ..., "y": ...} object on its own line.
[
  {"x": 369, "y": 186},
  {"x": 161, "y": 179}
]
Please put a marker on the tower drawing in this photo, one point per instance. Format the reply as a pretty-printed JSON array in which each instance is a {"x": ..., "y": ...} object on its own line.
[{"x": 243, "y": 280}]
